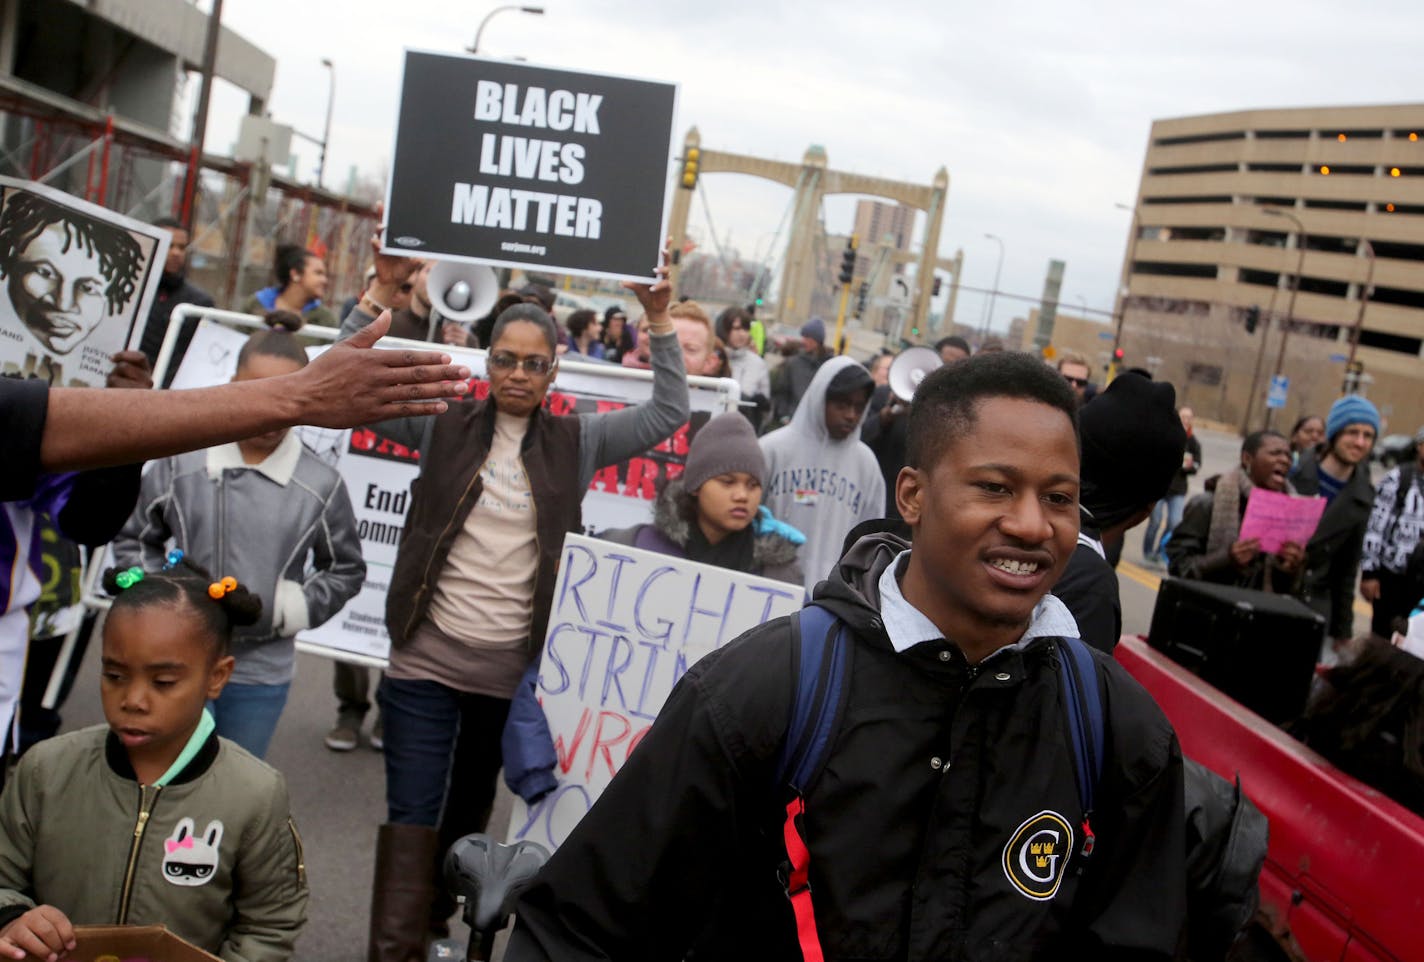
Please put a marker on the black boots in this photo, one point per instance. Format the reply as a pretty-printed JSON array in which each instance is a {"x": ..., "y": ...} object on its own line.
[{"x": 402, "y": 894}]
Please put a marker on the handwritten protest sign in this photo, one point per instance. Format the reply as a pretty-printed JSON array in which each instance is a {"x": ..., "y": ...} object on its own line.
[
  {"x": 524, "y": 166},
  {"x": 625, "y": 626},
  {"x": 1275, "y": 518},
  {"x": 78, "y": 283},
  {"x": 378, "y": 471}
]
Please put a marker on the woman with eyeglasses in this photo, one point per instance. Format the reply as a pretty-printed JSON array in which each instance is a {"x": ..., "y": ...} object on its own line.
[{"x": 501, "y": 482}]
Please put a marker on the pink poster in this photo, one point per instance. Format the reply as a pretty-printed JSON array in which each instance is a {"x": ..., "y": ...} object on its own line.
[{"x": 1276, "y": 518}]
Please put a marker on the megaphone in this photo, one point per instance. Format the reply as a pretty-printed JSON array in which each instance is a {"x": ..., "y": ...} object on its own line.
[
  {"x": 910, "y": 367},
  {"x": 462, "y": 292}
]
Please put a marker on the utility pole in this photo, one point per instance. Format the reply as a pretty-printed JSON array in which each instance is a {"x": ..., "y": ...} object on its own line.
[
  {"x": 200, "y": 121},
  {"x": 1300, "y": 239}
]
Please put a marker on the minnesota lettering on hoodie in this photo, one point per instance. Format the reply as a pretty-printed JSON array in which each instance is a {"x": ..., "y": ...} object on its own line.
[{"x": 818, "y": 485}]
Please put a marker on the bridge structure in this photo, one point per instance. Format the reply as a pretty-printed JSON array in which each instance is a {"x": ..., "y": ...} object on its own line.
[{"x": 812, "y": 180}]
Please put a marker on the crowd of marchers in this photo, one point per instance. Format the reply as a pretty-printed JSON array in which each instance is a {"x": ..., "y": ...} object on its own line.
[{"x": 960, "y": 543}]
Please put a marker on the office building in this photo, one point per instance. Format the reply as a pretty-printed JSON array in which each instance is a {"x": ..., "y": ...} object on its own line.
[{"x": 1232, "y": 208}]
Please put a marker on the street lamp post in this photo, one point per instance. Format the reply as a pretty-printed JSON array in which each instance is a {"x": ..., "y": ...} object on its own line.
[
  {"x": 1300, "y": 239},
  {"x": 1369, "y": 251},
  {"x": 993, "y": 293},
  {"x": 475, "y": 47},
  {"x": 1122, "y": 288},
  {"x": 326, "y": 131}
]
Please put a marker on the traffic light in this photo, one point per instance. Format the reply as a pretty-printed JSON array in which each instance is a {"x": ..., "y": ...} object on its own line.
[
  {"x": 760, "y": 300},
  {"x": 690, "y": 163},
  {"x": 848, "y": 261},
  {"x": 1117, "y": 355},
  {"x": 937, "y": 282},
  {"x": 914, "y": 332},
  {"x": 1253, "y": 318},
  {"x": 1354, "y": 374},
  {"x": 861, "y": 297}
]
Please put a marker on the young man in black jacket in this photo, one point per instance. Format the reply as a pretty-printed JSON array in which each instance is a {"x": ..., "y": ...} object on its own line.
[{"x": 945, "y": 823}]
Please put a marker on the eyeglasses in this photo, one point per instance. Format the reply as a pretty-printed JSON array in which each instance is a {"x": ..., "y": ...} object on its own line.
[
  {"x": 537, "y": 366},
  {"x": 1076, "y": 381}
]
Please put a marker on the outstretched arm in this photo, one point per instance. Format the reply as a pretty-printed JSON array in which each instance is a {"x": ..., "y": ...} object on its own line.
[
  {"x": 617, "y": 435},
  {"x": 348, "y": 385}
]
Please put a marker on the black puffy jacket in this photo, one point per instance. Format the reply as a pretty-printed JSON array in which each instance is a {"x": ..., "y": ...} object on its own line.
[{"x": 919, "y": 825}]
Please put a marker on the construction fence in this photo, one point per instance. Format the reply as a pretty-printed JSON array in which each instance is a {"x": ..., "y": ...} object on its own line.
[{"x": 240, "y": 213}]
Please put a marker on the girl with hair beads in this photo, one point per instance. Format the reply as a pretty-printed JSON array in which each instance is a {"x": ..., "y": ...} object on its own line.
[
  {"x": 273, "y": 514},
  {"x": 154, "y": 819}
]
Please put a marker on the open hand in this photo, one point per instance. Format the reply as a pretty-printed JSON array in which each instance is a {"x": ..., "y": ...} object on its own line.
[
  {"x": 655, "y": 297},
  {"x": 43, "y": 932},
  {"x": 351, "y": 384}
]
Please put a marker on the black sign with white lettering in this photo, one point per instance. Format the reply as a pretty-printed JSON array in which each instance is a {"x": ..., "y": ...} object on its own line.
[{"x": 551, "y": 170}]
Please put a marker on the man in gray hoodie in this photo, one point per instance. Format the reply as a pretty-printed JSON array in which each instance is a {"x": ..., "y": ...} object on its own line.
[{"x": 821, "y": 479}]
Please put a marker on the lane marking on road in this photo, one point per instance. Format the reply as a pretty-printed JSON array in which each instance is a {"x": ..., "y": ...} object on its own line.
[{"x": 1150, "y": 581}]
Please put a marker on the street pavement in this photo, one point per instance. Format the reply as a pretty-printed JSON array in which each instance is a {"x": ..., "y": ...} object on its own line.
[{"x": 338, "y": 798}]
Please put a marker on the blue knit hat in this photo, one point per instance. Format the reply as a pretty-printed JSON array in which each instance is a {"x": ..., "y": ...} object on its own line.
[
  {"x": 815, "y": 329},
  {"x": 1350, "y": 409}
]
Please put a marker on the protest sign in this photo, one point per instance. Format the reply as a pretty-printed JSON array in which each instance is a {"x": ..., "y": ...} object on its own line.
[
  {"x": 211, "y": 357},
  {"x": 378, "y": 472},
  {"x": 524, "y": 166},
  {"x": 1275, "y": 518},
  {"x": 78, "y": 283},
  {"x": 624, "y": 627}
]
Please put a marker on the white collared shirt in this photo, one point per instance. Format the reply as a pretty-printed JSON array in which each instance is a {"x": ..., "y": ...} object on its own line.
[
  {"x": 907, "y": 626},
  {"x": 278, "y": 465}
]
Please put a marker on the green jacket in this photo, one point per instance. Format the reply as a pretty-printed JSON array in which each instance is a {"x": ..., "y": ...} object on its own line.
[{"x": 214, "y": 854}]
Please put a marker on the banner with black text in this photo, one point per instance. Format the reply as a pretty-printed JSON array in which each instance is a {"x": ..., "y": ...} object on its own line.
[{"x": 523, "y": 166}]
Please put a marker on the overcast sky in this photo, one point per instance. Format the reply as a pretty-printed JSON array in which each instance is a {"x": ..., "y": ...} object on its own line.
[{"x": 1040, "y": 111}]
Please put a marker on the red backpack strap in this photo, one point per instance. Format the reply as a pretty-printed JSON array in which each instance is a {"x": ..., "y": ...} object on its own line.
[
  {"x": 822, "y": 674},
  {"x": 797, "y": 880}
]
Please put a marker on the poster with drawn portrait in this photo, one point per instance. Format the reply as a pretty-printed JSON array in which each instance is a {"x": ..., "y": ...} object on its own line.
[{"x": 76, "y": 282}]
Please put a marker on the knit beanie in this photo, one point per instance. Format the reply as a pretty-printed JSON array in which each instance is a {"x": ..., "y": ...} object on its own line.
[
  {"x": 1133, "y": 442},
  {"x": 815, "y": 329},
  {"x": 725, "y": 444},
  {"x": 1350, "y": 409}
]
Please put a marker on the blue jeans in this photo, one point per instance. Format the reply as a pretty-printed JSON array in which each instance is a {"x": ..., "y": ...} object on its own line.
[
  {"x": 442, "y": 754},
  {"x": 248, "y": 714},
  {"x": 1171, "y": 506}
]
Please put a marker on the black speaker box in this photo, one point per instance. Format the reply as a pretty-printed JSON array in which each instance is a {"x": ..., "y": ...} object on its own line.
[{"x": 1259, "y": 648}]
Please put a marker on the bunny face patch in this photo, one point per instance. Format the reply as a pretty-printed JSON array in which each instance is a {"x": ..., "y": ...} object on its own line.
[{"x": 191, "y": 860}]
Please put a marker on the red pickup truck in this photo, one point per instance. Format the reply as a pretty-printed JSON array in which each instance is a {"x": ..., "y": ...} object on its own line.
[{"x": 1344, "y": 874}]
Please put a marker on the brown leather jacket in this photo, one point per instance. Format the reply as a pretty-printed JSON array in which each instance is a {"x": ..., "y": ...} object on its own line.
[{"x": 448, "y": 488}]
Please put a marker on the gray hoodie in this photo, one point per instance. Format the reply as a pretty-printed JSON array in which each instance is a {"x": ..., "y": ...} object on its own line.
[{"x": 819, "y": 486}]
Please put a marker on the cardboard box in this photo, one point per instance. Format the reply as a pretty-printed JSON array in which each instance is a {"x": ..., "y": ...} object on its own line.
[{"x": 150, "y": 943}]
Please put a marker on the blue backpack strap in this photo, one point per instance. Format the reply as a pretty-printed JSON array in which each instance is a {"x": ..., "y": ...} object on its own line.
[
  {"x": 820, "y": 677},
  {"x": 1084, "y": 702},
  {"x": 821, "y": 673}
]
